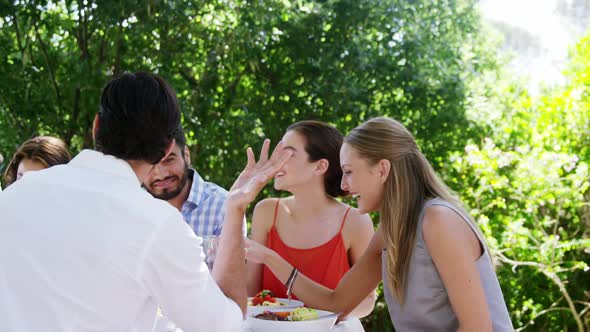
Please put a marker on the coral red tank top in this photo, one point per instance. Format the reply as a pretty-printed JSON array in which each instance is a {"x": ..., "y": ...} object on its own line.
[{"x": 325, "y": 264}]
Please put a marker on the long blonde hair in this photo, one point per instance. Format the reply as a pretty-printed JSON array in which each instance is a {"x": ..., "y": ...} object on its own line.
[{"x": 410, "y": 183}]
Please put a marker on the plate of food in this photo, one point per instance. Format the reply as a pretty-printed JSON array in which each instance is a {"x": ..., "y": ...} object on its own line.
[
  {"x": 266, "y": 299},
  {"x": 292, "y": 320}
]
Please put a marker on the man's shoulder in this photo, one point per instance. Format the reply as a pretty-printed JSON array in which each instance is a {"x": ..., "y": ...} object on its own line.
[
  {"x": 153, "y": 208},
  {"x": 213, "y": 190},
  {"x": 96, "y": 195}
]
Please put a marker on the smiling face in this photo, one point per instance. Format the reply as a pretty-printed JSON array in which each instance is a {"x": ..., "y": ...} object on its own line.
[
  {"x": 361, "y": 179},
  {"x": 298, "y": 170},
  {"x": 169, "y": 177}
]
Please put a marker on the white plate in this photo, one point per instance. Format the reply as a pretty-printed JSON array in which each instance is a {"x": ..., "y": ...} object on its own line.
[
  {"x": 315, "y": 325},
  {"x": 286, "y": 304}
]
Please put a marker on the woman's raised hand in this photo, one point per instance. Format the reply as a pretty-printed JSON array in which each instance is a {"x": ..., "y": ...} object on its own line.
[{"x": 256, "y": 175}]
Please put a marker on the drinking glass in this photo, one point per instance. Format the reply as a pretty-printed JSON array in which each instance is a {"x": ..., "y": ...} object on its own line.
[{"x": 210, "y": 243}]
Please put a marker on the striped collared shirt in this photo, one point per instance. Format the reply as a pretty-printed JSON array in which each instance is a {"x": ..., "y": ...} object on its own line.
[{"x": 203, "y": 209}]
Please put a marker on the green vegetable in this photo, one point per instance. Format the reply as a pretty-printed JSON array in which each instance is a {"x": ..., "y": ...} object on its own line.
[{"x": 303, "y": 314}]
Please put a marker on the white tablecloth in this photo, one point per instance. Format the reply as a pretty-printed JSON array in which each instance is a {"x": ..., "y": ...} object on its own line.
[
  {"x": 352, "y": 324},
  {"x": 348, "y": 325}
]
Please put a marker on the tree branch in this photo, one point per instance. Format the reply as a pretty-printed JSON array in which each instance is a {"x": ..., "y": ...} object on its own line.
[
  {"x": 532, "y": 321},
  {"x": 49, "y": 66},
  {"x": 82, "y": 33},
  {"x": 118, "y": 51},
  {"x": 16, "y": 28},
  {"x": 230, "y": 90},
  {"x": 565, "y": 294},
  {"x": 74, "y": 118},
  {"x": 22, "y": 47},
  {"x": 556, "y": 280},
  {"x": 102, "y": 48},
  {"x": 515, "y": 264}
]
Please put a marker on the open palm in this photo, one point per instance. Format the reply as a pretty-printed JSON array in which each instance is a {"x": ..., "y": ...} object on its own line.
[{"x": 257, "y": 174}]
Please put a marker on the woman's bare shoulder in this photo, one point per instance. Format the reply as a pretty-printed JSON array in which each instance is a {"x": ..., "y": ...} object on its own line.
[
  {"x": 263, "y": 214},
  {"x": 358, "y": 228},
  {"x": 266, "y": 204},
  {"x": 357, "y": 221}
]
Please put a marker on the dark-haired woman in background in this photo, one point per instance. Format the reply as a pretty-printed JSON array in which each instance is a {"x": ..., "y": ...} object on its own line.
[
  {"x": 36, "y": 154},
  {"x": 310, "y": 230}
]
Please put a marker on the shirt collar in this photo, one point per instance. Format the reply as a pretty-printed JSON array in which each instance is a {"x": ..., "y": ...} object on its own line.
[
  {"x": 104, "y": 163},
  {"x": 197, "y": 188}
]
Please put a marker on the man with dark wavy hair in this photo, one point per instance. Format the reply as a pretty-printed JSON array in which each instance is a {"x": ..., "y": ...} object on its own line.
[{"x": 84, "y": 248}]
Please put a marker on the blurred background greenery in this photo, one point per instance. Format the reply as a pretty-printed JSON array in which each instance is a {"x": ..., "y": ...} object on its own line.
[{"x": 245, "y": 70}]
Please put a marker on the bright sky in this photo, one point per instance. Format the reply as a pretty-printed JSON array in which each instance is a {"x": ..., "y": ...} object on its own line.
[{"x": 543, "y": 57}]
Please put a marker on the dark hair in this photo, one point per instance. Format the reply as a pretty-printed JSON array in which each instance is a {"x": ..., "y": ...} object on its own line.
[
  {"x": 180, "y": 138},
  {"x": 139, "y": 115},
  {"x": 47, "y": 150},
  {"x": 323, "y": 141}
]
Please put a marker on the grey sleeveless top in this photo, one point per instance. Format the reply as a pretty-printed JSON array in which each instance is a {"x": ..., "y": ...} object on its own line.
[{"x": 427, "y": 306}]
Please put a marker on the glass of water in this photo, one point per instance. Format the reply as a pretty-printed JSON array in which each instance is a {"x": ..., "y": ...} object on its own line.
[{"x": 210, "y": 243}]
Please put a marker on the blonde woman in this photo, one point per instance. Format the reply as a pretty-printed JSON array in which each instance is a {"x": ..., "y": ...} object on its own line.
[{"x": 434, "y": 263}]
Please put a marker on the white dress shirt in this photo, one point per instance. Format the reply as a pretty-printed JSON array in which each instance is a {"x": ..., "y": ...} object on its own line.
[{"x": 84, "y": 248}]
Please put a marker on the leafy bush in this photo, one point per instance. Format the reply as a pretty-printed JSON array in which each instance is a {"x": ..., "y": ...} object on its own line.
[{"x": 527, "y": 184}]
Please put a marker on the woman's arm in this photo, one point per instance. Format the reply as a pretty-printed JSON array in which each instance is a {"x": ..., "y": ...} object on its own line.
[
  {"x": 455, "y": 248},
  {"x": 359, "y": 230},
  {"x": 229, "y": 269},
  {"x": 362, "y": 278},
  {"x": 262, "y": 219}
]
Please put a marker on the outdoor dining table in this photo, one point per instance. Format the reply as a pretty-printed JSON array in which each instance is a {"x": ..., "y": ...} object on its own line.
[{"x": 352, "y": 324}]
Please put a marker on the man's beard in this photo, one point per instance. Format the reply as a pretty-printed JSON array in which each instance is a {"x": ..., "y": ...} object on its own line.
[{"x": 168, "y": 195}]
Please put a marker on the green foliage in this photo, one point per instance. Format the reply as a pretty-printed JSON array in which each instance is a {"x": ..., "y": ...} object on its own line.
[
  {"x": 243, "y": 70},
  {"x": 527, "y": 184}
]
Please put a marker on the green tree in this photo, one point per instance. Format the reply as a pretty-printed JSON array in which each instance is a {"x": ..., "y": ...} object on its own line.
[
  {"x": 242, "y": 69},
  {"x": 527, "y": 183}
]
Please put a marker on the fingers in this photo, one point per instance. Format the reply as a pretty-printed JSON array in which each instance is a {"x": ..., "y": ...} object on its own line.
[
  {"x": 276, "y": 163},
  {"x": 277, "y": 148},
  {"x": 264, "y": 151},
  {"x": 252, "y": 245},
  {"x": 250, "y": 251},
  {"x": 251, "y": 158},
  {"x": 255, "y": 176},
  {"x": 283, "y": 158},
  {"x": 267, "y": 172},
  {"x": 248, "y": 242}
]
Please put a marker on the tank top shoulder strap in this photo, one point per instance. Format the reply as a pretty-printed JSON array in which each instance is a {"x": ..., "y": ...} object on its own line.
[
  {"x": 274, "y": 219},
  {"x": 441, "y": 202},
  {"x": 344, "y": 220}
]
